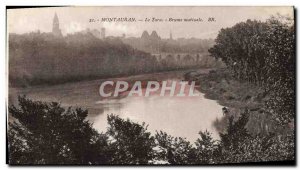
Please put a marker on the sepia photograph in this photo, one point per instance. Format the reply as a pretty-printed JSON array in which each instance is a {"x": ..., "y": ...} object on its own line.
[{"x": 151, "y": 85}]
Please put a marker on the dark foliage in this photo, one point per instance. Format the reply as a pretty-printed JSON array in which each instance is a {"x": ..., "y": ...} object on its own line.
[
  {"x": 263, "y": 53},
  {"x": 46, "y": 133},
  {"x": 130, "y": 142}
]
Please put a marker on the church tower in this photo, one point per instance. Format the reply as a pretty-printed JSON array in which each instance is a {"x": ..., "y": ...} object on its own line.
[
  {"x": 171, "y": 36},
  {"x": 55, "y": 28}
]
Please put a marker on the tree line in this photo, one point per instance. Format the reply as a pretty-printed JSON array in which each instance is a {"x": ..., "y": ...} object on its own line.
[
  {"x": 263, "y": 53},
  {"x": 46, "y": 133},
  {"x": 41, "y": 58},
  {"x": 37, "y": 58}
]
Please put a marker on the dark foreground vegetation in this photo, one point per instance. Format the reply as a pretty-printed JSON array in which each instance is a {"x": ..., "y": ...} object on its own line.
[{"x": 46, "y": 133}]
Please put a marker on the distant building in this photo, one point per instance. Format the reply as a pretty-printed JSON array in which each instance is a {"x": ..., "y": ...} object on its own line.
[
  {"x": 145, "y": 35},
  {"x": 55, "y": 28},
  {"x": 102, "y": 32},
  {"x": 150, "y": 43},
  {"x": 154, "y": 36}
]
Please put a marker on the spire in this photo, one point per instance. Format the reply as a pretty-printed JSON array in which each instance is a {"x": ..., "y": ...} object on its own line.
[
  {"x": 55, "y": 19},
  {"x": 55, "y": 28}
]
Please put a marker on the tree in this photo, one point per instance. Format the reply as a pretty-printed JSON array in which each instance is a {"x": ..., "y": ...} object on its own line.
[
  {"x": 281, "y": 73},
  {"x": 174, "y": 150},
  {"x": 263, "y": 53},
  {"x": 46, "y": 133},
  {"x": 130, "y": 142},
  {"x": 207, "y": 149}
]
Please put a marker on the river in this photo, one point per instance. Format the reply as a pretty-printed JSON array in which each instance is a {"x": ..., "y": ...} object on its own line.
[{"x": 178, "y": 116}]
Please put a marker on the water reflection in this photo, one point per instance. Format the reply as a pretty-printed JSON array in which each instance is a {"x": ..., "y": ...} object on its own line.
[{"x": 178, "y": 116}]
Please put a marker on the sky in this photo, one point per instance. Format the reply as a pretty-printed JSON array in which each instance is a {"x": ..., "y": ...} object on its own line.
[{"x": 73, "y": 19}]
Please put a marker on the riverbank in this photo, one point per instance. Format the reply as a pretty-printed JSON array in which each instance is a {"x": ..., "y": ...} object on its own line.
[
  {"x": 60, "y": 90},
  {"x": 236, "y": 96}
]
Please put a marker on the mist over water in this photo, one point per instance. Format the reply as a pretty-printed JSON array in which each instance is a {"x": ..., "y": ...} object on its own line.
[{"x": 178, "y": 116}]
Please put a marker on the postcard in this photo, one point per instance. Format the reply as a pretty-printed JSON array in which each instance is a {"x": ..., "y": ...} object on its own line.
[{"x": 159, "y": 85}]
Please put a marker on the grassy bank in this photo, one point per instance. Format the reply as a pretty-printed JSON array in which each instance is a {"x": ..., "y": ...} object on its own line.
[{"x": 237, "y": 97}]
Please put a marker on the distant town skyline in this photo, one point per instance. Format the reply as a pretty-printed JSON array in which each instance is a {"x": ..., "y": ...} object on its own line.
[{"x": 74, "y": 19}]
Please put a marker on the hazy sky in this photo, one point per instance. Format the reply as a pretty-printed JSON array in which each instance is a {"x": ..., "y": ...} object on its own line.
[{"x": 74, "y": 19}]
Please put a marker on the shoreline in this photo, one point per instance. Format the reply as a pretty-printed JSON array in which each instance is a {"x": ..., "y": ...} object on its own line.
[{"x": 238, "y": 97}]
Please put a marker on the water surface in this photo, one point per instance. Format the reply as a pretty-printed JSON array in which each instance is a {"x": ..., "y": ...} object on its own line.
[{"x": 178, "y": 116}]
